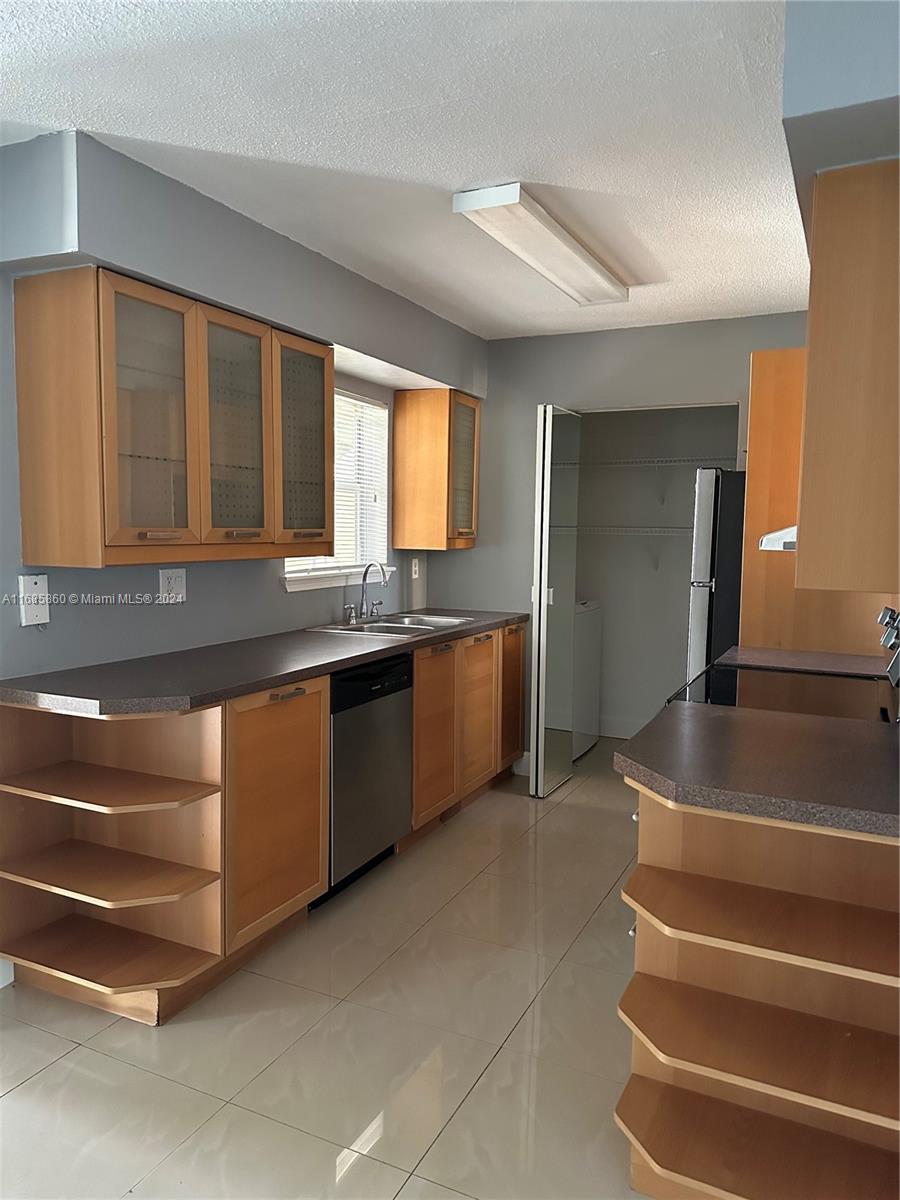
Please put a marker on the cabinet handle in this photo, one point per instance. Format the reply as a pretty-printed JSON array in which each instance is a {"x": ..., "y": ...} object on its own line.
[
  {"x": 513, "y": 629},
  {"x": 309, "y": 533},
  {"x": 465, "y": 533},
  {"x": 484, "y": 637},
  {"x": 240, "y": 534},
  {"x": 160, "y": 535},
  {"x": 292, "y": 695},
  {"x": 447, "y": 646}
]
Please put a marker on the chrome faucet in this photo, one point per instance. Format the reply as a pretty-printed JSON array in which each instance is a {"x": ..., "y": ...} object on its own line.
[{"x": 364, "y": 610}]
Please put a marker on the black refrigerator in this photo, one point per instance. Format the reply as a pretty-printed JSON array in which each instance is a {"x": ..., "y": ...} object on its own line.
[{"x": 716, "y": 555}]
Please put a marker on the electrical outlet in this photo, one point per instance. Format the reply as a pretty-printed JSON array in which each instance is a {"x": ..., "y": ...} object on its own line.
[
  {"x": 415, "y": 568},
  {"x": 34, "y": 603},
  {"x": 173, "y": 585}
]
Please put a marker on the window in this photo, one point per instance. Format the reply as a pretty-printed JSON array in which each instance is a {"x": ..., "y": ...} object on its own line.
[{"x": 360, "y": 498}]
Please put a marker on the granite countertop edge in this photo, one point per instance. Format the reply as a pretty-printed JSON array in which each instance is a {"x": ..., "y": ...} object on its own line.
[
  {"x": 773, "y": 808},
  {"x": 25, "y": 691}
]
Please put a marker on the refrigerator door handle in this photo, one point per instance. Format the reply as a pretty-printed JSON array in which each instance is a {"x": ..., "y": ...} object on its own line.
[{"x": 704, "y": 583}]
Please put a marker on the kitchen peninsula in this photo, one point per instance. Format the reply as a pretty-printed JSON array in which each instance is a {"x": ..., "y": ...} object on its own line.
[
  {"x": 764, "y": 1004},
  {"x": 160, "y": 817}
]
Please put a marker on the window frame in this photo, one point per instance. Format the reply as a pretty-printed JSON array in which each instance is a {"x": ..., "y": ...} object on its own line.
[{"x": 340, "y": 575}]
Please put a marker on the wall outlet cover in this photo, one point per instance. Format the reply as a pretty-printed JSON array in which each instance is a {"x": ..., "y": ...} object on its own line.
[
  {"x": 34, "y": 603},
  {"x": 173, "y": 585},
  {"x": 415, "y": 568}
]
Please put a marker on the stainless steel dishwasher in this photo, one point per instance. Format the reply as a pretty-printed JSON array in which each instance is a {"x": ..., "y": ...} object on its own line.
[{"x": 371, "y": 762}]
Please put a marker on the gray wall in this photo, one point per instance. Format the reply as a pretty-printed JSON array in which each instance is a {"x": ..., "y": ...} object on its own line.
[
  {"x": 146, "y": 224},
  {"x": 704, "y": 362}
]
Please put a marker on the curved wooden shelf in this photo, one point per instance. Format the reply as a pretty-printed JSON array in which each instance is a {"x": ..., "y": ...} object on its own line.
[
  {"x": 106, "y": 789},
  {"x": 844, "y": 939},
  {"x": 105, "y": 876},
  {"x": 729, "y": 1151},
  {"x": 812, "y": 1060},
  {"x": 108, "y": 958}
]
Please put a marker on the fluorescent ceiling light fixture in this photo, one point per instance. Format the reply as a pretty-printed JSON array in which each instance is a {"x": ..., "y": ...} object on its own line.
[
  {"x": 780, "y": 539},
  {"x": 514, "y": 219}
]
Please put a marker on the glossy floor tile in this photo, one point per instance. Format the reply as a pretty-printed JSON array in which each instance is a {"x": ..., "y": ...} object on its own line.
[
  {"x": 25, "y": 1050},
  {"x": 417, "y": 1188},
  {"x": 379, "y": 1084},
  {"x": 606, "y": 940},
  {"x": 335, "y": 947},
  {"x": 241, "y": 1156},
  {"x": 218, "y": 1044},
  {"x": 560, "y": 859},
  {"x": 65, "y": 1018},
  {"x": 573, "y": 1022},
  {"x": 532, "y": 1130},
  {"x": 90, "y": 1126},
  {"x": 456, "y": 983},
  {"x": 611, "y": 837},
  {"x": 513, "y": 912}
]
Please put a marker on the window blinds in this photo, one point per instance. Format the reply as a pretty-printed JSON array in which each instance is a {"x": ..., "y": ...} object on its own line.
[{"x": 360, "y": 489}]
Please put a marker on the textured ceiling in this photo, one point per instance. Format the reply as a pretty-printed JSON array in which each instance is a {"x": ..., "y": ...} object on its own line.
[{"x": 652, "y": 129}]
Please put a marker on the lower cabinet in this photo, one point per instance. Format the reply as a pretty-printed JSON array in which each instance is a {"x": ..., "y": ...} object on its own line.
[
  {"x": 476, "y": 688},
  {"x": 511, "y": 724},
  {"x": 276, "y": 805},
  {"x": 434, "y": 731}
]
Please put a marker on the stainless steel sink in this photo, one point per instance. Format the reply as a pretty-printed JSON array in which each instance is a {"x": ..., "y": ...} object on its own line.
[
  {"x": 382, "y": 629},
  {"x": 433, "y": 622}
]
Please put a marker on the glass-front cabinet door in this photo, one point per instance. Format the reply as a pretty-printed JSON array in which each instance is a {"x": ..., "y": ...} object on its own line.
[
  {"x": 464, "y": 430},
  {"x": 148, "y": 379},
  {"x": 303, "y": 399},
  {"x": 235, "y": 402}
]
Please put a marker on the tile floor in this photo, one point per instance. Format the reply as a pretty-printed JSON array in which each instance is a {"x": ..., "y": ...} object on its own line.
[{"x": 446, "y": 1027}]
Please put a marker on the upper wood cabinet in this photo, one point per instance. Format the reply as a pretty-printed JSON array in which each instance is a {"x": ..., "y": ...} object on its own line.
[
  {"x": 235, "y": 368},
  {"x": 303, "y": 379},
  {"x": 849, "y": 500},
  {"x": 276, "y": 805},
  {"x": 156, "y": 429},
  {"x": 435, "y": 469}
]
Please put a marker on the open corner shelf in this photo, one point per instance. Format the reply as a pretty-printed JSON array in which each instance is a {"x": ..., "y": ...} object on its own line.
[
  {"x": 106, "y": 789},
  {"x": 843, "y": 939},
  {"x": 812, "y": 1060},
  {"x": 104, "y": 875},
  {"x": 729, "y": 1151},
  {"x": 108, "y": 958}
]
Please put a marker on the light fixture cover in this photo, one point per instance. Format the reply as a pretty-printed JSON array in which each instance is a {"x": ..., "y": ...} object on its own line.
[
  {"x": 513, "y": 218},
  {"x": 780, "y": 539}
]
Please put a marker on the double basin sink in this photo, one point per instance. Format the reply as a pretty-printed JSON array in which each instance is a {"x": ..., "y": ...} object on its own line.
[{"x": 405, "y": 625}]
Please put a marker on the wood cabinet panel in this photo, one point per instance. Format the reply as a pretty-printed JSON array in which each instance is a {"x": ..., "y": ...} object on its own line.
[
  {"x": 848, "y": 521},
  {"x": 477, "y": 674},
  {"x": 436, "y": 435},
  {"x": 276, "y": 805},
  {"x": 303, "y": 406},
  {"x": 511, "y": 725},
  {"x": 434, "y": 731}
]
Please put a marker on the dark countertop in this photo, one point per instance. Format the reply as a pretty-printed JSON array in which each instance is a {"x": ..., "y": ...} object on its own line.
[
  {"x": 807, "y": 662},
  {"x": 189, "y": 679},
  {"x": 834, "y": 772}
]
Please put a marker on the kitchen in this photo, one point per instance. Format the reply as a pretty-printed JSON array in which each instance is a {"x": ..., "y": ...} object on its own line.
[{"x": 290, "y": 890}]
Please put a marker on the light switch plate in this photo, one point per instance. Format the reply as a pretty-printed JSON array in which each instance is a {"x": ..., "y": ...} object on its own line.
[
  {"x": 34, "y": 603},
  {"x": 173, "y": 585}
]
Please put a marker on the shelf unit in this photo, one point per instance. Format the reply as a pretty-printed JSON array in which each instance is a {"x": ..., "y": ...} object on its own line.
[
  {"x": 647, "y": 462},
  {"x": 111, "y": 853},
  {"x": 845, "y": 939},
  {"x": 725, "y": 1150},
  {"x": 102, "y": 789},
  {"x": 812, "y": 1060}
]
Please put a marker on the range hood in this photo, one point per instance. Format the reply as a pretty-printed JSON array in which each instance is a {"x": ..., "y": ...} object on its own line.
[{"x": 780, "y": 539}]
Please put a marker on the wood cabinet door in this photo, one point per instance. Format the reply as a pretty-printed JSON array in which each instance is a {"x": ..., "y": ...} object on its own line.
[
  {"x": 149, "y": 381},
  {"x": 303, "y": 402},
  {"x": 434, "y": 731},
  {"x": 465, "y": 426},
  {"x": 477, "y": 659},
  {"x": 235, "y": 371},
  {"x": 510, "y": 736},
  {"x": 276, "y": 805}
]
